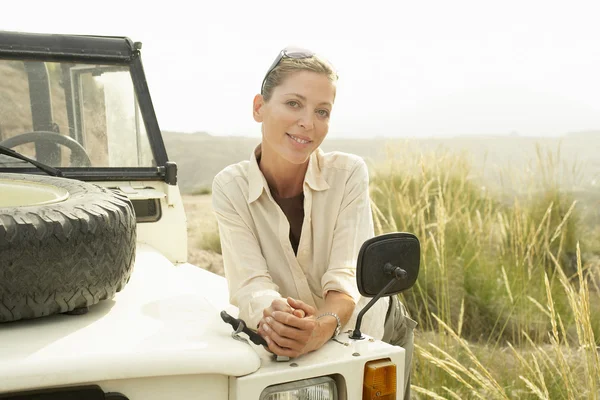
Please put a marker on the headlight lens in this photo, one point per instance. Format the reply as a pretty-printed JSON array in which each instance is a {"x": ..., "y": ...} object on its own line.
[{"x": 322, "y": 388}]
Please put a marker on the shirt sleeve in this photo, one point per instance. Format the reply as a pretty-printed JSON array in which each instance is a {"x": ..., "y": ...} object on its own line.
[
  {"x": 353, "y": 227},
  {"x": 251, "y": 288}
]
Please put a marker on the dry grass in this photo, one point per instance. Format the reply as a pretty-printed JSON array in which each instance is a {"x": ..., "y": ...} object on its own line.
[{"x": 204, "y": 247}]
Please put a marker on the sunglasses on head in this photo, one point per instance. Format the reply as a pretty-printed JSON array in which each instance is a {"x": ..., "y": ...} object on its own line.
[{"x": 288, "y": 52}]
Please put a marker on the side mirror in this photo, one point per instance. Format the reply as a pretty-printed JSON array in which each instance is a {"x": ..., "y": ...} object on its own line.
[{"x": 387, "y": 265}]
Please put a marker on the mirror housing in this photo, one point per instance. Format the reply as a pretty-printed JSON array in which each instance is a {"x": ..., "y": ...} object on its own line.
[
  {"x": 387, "y": 265},
  {"x": 399, "y": 249}
]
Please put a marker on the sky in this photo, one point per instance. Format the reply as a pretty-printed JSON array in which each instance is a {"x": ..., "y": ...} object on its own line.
[{"x": 407, "y": 68}]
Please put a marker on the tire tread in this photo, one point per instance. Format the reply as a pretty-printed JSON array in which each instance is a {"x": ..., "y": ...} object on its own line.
[{"x": 67, "y": 255}]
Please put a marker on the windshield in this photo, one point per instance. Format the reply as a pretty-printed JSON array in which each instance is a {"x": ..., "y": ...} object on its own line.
[{"x": 71, "y": 115}]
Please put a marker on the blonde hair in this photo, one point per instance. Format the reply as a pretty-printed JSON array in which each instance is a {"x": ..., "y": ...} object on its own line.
[{"x": 288, "y": 66}]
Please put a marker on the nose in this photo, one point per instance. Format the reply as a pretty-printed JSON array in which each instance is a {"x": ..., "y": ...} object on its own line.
[{"x": 307, "y": 121}]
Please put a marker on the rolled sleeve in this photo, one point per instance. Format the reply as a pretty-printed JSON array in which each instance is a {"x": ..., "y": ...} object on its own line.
[
  {"x": 353, "y": 227},
  {"x": 251, "y": 288}
]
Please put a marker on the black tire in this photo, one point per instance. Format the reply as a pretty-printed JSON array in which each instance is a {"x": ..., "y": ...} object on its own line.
[{"x": 69, "y": 255}]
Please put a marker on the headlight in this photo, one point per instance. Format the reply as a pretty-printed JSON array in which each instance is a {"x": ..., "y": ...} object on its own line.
[{"x": 322, "y": 388}]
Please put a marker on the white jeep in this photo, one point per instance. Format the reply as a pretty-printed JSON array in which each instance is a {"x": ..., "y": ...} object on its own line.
[{"x": 97, "y": 300}]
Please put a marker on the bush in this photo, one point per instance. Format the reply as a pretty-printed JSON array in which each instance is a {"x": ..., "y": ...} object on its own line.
[
  {"x": 201, "y": 191},
  {"x": 210, "y": 240}
]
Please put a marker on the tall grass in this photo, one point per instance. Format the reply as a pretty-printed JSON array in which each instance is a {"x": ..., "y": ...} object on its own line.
[{"x": 503, "y": 298}]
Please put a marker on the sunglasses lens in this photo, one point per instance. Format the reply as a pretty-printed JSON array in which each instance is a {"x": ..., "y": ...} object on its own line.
[{"x": 295, "y": 52}]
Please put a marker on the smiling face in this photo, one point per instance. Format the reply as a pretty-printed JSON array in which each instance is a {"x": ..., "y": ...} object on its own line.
[{"x": 295, "y": 119}]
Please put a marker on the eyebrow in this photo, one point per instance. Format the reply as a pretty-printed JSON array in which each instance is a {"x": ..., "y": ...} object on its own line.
[{"x": 304, "y": 98}]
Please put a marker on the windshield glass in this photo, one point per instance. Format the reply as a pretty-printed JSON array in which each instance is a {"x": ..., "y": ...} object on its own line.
[{"x": 71, "y": 115}]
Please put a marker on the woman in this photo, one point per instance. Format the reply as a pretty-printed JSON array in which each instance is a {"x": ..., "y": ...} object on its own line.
[{"x": 292, "y": 220}]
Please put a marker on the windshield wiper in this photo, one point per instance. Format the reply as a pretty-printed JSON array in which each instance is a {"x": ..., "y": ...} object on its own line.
[{"x": 46, "y": 168}]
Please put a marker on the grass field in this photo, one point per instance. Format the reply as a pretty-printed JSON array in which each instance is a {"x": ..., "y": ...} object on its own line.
[{"x": 508, "y": 297}]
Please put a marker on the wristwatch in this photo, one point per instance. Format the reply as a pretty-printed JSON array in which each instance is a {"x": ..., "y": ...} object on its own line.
[{"x": 338, "y": 328}]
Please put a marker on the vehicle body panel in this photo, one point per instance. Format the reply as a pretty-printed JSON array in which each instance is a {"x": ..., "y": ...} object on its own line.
[
  {"x": 188, "y": 387},
  {"x": 342, "y": 359},
  {"x": 168, "y": 235}
]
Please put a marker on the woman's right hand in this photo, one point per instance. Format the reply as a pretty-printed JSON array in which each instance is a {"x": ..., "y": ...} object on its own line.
[
  {"x": 292, "y": 335},
  {"x": 283, "y": 306},
  {"x": 277, "y": 305}
]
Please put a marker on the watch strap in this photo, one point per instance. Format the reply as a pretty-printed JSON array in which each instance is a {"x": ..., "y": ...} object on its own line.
[{"x": 338, "y": 328}]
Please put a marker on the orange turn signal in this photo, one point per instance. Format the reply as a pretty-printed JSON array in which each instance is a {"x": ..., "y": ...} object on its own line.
[{"x": 380, "y": 380}]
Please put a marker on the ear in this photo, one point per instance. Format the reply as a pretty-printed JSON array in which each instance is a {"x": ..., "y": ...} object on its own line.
[{"x": 258, "y": 107}]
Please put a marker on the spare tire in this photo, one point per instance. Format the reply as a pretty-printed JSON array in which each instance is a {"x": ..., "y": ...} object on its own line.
[{"x": 64, "y": 245}]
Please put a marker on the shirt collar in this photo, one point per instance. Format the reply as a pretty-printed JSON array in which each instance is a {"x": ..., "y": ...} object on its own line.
[
  {"x": 256, "y": 179},
  {"x": 314, "y": 178},
  {"x": 257, "y": 182}
]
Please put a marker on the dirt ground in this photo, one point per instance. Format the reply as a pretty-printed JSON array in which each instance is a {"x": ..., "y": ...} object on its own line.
[{"x": 201, "y": 220}]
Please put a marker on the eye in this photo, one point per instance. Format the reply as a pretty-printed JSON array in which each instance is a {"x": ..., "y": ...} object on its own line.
[
  {"x": 323, "y": 113},
  {"x": 293, "y": 103}
]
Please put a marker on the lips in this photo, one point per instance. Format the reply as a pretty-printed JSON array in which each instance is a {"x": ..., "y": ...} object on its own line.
[{"x": 299, "y": 139}]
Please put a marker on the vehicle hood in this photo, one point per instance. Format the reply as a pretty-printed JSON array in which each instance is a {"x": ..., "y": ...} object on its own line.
[{"x": 164, "y": 322}]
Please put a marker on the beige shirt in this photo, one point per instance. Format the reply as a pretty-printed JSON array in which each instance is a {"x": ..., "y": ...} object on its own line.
[{"x": 260, "y": 264}]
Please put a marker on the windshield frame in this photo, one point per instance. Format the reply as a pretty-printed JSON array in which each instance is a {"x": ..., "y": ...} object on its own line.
[{"x": 117, "y": 51}]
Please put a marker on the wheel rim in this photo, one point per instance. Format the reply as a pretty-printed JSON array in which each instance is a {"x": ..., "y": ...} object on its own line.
[{"x": 23, "y": 193}]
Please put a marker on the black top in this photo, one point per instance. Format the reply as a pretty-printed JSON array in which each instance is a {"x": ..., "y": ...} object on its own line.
[{"x": 293, "y": 208}]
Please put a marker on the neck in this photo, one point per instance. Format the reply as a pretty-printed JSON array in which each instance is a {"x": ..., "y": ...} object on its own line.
[{"x": 284, "y": 178}]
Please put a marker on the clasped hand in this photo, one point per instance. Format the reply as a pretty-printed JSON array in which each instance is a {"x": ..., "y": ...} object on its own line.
[{"x": 290, "y": 328}]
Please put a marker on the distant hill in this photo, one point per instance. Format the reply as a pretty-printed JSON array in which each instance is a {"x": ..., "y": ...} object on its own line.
[{"x": 201, "y": 156}]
